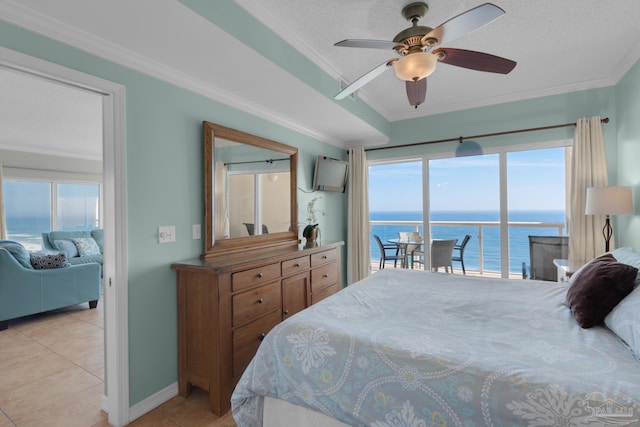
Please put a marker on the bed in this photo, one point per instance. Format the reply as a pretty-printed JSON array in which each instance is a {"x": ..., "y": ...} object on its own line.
[{"x": 413, "y": 348}]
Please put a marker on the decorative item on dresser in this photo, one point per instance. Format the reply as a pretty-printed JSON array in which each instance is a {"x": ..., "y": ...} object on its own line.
[{"x": 228, "y": 303}]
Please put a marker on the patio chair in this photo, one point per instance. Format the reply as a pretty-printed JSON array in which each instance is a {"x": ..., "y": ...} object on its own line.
[
  {"x": 441, "y": 254},
  {"x": 251, "y": 228},
  {"x": 384, "y": 256},
  {"x": 542, "y": 251},
  {"x": 460, "y": 248},
  {"x": 409, "y": 249}
]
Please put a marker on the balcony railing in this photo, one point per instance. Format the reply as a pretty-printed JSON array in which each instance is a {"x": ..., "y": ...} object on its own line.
[{"x": 480, "y": 233}]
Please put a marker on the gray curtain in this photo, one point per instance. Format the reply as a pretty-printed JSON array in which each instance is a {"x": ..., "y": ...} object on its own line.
[
  {"x": 358, "y": 251},
  {"x": 588, "y": 169}
]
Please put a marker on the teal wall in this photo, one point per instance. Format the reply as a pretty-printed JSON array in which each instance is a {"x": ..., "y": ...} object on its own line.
[
  {"x": 628, "y": 136},
  {"x": 164, "y": 187},
  {"x": 531, "y": 113}
]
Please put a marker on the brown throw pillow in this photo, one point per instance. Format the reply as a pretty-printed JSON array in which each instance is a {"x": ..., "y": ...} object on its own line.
[{"x": 598, "y": 287}]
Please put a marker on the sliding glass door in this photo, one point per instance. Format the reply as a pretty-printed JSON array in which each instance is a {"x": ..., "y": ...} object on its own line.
[
  {"x": 537, "y": 200},
  {"x": 498, "y": 198},
  {"x": 464, "y": 198},
  {"x": 395, "y": 201}
]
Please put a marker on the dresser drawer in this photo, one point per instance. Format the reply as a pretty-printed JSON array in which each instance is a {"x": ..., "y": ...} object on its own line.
[
  {"x": 326, "y": 292},
  {"x": 324, "y": 257},
  {"x": 256, "y": 302},
  {"x": 323, "y": 276},
  {"x": 247, "y": 339},
  {"x": 255, "y": 276},
  {"x": 295, "y": 265}
]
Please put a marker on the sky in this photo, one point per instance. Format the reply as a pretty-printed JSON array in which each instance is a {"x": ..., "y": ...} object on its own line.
[
  {"x": 536, "y": 181},
  {"x": 26, "y": 198}
]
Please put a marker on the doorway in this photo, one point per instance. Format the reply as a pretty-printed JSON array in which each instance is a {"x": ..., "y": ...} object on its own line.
[{"x": 116, "y": 399}]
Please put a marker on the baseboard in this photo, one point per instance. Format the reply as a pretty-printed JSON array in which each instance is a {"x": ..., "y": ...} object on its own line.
[
  {"x": 104, "y": 403},
  {"x": 153, "y": 401}
]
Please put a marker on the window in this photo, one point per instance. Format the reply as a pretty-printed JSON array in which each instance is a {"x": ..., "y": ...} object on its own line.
[
  {"x": 258, "y": 202},
  {"x": 499, "y": 198},
  {"x": 395, "y": 201},
  {"x": 36, "y": 207}
]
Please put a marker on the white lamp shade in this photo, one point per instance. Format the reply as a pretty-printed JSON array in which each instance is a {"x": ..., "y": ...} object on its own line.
[
  {"x": 415, "y": 66},
  {"x": 609, "y": 201}
]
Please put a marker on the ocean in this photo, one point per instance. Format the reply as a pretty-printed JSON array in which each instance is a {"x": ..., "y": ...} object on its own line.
[
  {"x": 28, "y": 230},
  {"x": 518, "y": 236}
]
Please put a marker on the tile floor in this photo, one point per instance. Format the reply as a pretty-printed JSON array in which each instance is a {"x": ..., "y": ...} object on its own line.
[{"x": 52, "y": 373}]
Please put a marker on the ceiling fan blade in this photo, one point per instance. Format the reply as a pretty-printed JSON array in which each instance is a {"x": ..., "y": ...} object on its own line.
[
  {"x": 416, "y": 91},
  {"x": 473, "y": 60},
  {"x": 370, "y": 44},
  {"x": 363, "y": 80},
  {"x": 462, "y": 24}
]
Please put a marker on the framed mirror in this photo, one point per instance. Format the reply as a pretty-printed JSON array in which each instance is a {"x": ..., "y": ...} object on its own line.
[{"x": 249, "y": 190}]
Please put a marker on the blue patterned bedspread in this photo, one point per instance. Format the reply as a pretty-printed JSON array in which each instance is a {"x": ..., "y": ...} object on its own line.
[{"x": 409, "y": 348}]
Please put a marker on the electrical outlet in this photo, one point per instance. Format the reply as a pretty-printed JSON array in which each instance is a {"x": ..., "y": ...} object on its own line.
[
  {"x": 195, "y": 232},
  {"x": 167, "y": 234}
]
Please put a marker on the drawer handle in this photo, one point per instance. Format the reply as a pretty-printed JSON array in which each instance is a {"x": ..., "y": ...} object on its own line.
[
  {"x": 261, "y": 336},
  {"x": 297, "y": 264},
  {"x": 260, "y": 275},
  {"x": 324, "y": 276},
  {"x": 324, "y": 257},
  {"x": 260, "y": 301},
  {"x": 286, "y": 312}
]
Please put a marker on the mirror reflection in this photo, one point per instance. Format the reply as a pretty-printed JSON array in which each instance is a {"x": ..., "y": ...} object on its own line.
[{"x": 251, "y": 190}]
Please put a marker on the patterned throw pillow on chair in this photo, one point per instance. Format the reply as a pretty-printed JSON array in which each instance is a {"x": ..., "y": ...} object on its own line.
[
  {"x": 86, "y": 246},
  {"x": 41, "y": 262}
]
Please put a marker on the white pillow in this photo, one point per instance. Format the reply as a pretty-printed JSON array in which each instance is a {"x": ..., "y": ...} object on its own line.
[
  {"x": 628, "y": 256},
  {"x": 624, "y": 319}
]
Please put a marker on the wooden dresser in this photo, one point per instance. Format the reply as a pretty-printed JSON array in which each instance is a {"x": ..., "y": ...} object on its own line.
[{"x": 226, "y": 306}]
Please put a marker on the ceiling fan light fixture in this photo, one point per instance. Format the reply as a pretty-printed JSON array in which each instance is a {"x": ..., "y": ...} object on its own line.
[{"x": 415, "y": 66}]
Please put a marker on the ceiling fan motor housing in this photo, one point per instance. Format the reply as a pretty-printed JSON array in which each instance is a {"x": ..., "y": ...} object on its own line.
[{"x": 412, "y": 37}]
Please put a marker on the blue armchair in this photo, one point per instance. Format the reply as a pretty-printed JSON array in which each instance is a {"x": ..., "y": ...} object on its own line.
[{"x": 25, "y": 290}]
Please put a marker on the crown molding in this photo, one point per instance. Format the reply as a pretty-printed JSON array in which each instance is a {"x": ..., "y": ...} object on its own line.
[
  {"x": 22, "y": 16},
  {"x": 512, "y": 97}
]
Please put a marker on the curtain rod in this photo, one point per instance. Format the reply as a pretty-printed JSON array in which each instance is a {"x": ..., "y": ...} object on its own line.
[
  {"x": 485, "y": 135},
  {"x": 256, "y": 161}
]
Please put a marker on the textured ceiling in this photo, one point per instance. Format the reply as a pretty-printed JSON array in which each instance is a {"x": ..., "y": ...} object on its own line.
[
  {"x": 560, "y": 46},
  {"x": 40, "y": 116}
]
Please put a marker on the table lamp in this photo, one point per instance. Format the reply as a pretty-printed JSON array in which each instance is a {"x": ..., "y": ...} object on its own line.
[{"x": 608, "y": 201}]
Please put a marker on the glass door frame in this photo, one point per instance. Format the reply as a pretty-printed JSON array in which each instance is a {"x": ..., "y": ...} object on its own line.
[{"x": 502, "y": 152}]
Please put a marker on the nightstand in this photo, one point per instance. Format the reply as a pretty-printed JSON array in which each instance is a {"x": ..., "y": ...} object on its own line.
[{"x": 565, "y": 270}]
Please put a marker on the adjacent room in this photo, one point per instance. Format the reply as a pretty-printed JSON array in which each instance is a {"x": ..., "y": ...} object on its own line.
[{"x": 398, "y": 213}]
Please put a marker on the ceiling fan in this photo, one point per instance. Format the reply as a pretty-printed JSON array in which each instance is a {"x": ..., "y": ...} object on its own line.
[{"x": 419, "y": 50}]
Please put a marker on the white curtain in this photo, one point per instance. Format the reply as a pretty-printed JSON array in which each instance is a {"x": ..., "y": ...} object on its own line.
[
  {"x": 588, "y": 169},
  {"x": 358, "y": 252},
  {"x": 220, "y": 203},
  {"x": 3, "y": 223}
]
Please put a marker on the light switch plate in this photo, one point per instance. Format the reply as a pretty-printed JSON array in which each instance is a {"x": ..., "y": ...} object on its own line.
[
  {"x": 195, "y": 232},
  {"x": 167, "y": 234}
]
